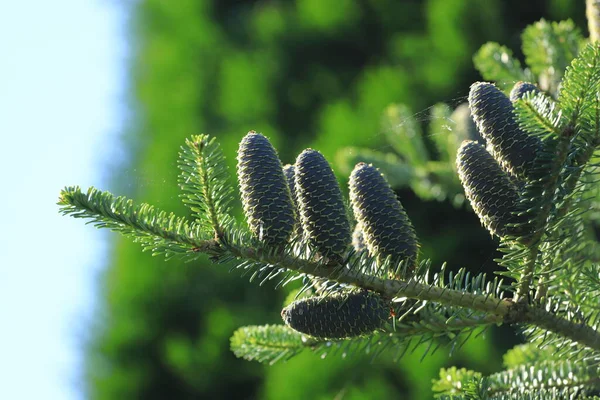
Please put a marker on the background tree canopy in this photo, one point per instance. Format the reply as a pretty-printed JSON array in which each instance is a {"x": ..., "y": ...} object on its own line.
[{"x": 305, "y": 73}]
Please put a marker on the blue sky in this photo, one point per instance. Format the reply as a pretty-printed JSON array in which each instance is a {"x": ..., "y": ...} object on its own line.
[{"x": 61, "y": 107}]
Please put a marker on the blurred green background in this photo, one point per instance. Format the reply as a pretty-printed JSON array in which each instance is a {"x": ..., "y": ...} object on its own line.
[{"x": 306, "y": 73}]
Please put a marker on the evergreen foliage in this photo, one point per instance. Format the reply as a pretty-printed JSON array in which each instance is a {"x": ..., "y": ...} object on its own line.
[{"x": 553, "y": 274}]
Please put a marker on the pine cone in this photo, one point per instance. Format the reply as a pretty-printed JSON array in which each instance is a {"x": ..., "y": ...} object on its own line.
[
  {"x": 265, "y": 193},
  {"x": 338, "y": 315},
  {"x": 322, "y": 210},
  {"x": 490, "y": 191},
  {"x": 493, "y": 113},
  {"x": 387, "y": 230},
  {"x": 520, "y": 88}
]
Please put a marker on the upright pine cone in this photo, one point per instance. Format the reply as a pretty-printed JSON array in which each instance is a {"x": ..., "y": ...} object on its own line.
[
  {"x": 490, "y": 191},
  {"x": 322, "y": 210},
  {"x": 493, "y": 113},
  {"x": 520, "y": 88},
  {"x": 338, "y": 315},
  {"x": 265, "y": 193},
  {"x": 386, "y": 228}
]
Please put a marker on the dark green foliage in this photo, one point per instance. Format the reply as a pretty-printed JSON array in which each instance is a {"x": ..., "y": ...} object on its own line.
[
  {"x": 549, "y": 47},
  {"x": 265, "y": 193},
  {"x": 387, "y": 230},
  {"x": 339, "y": 315},
  {"x": 491, "y": 193},
  {"x": 496, "y": 63},
  {"x": 493, "y": 113},
  {"x": 322, "y": 210},
  {"x": 520, "y": 88},
  {"x": 578, "y": 96}
]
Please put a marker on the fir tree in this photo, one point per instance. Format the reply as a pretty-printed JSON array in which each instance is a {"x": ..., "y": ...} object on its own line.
[{"x": 533, "y": 185}]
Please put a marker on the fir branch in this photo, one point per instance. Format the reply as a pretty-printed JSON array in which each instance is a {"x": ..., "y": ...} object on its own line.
[
  {"x": 389, "y": 288},
  {"x": 273, "y": 343},
  {"x": 203, "y": 181},
  {"x": 540, "y": 118},
  {"x": 549, "y": 47},
  {"x": 539, "y": 115},
  {"x": 496, "y": 63},
  {"x": 168, "y": 234},
  {"x": 527, "y": 353},
  {"x": 565, "y": 376},
  {"x": 268, "y": 343},
  {"x": 545, "y": 379},
  {"x": 544, "y": 318},
  {"x": 579, "y": 89},
  {"x": 453, "y": 381},
  {"x": 510, "y": 311},
  {"x": 158, "y": 231}
]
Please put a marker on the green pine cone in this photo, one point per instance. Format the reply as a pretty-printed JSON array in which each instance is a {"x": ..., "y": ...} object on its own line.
[
  {"x": 490, "y": 191},
  {"x": 265, "y": 193},
  {"x": 322, "y": 210},
  {"x": 339, "y": 315},
  {"x": 493, "y": 113},
  {"x": 387, "y": 229},
  {"x": 520, "y": 88}
]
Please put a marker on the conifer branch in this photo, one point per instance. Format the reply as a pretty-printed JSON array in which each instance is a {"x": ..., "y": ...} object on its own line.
[
  {"x": 274, "y": 343},
  {"x": 203, "y": 182},
  {"x": 510, "y": 311},
  {"x": 565, "y": 376},
  {"x": 167, "y": 234},
  {"x": 156, "y": 230},
  {"x": 548, "y": 185},
  {"x": 496, "y": 63},
  {"x": 389, "y": 288},
  {"x": 537, "y": 380},
  {"x": 577, "y": 332}
]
